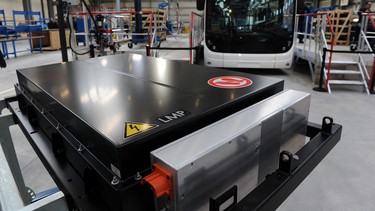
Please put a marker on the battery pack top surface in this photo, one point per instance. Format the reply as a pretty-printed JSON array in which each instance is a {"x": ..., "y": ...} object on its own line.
[{"x": 127, "y": 98}]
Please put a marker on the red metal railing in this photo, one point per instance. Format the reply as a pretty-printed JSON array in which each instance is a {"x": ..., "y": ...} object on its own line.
[
  {"x": 333, "y": 39},
  {"x": 370, "y": 83},
  {"x": 331, "y": 48},
  {"x": 150, "y": 32}
]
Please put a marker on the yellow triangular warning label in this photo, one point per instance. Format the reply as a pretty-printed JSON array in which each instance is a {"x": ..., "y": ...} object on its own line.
[{"x": 133, "y": 128}]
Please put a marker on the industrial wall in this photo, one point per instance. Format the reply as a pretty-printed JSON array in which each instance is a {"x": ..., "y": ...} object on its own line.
[
  {"x": 9, "y": 5},
  {"x": 180, "y": 12},
  {"x": 183, "y": 10},
  {"x": 345, "y": 4}
]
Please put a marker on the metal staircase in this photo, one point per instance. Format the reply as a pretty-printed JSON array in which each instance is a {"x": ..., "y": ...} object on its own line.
[
  {"x": 347, "y": 76},
  {"x": 364, "y": 48},
  {"x": 338, "y": 70}
]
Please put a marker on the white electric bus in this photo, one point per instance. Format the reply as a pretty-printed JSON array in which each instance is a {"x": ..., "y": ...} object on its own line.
[{"x": 248, "y": 33}]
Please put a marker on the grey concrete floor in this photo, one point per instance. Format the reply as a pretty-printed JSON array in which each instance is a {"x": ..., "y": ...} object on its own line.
[{"x": 344, "y": 180}]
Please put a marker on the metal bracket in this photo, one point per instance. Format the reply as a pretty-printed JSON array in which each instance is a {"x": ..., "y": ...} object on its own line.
[
  {"x": 327, "y": 123},
  {"x": 287, "y": 162},
  {"x": 2, "y": 105},
  {"x": 220, "y": 200},
  {"x": 4, "y": 102}
]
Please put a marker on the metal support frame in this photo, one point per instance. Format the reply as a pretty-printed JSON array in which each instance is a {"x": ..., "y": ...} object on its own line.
[
  {"x": 6, "y": 141},
  {"x": 293, "y": 169},
  {"x": 52, "y": 199},
  {"x": 64, "y": 176}
]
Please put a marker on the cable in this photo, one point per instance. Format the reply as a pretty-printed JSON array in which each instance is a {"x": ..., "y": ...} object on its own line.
[
  {"x": 91, "y": 2},
  {"x": 92, "y": 17},
  {"x": 70, "y": 36}
]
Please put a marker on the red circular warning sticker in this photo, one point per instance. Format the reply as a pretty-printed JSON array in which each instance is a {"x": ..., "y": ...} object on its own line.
[{"x": 230, "y": 82}]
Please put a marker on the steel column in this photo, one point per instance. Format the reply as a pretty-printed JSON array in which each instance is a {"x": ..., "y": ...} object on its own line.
[
  {"x": 60, "y": 13},
  {"x": 26, "y": 5},
  {"x": 43, "y": 13},
  {"x": 138, "y": 16},
  {"x": 51, "y": 11},
  {"x": 118, "y": 5}
]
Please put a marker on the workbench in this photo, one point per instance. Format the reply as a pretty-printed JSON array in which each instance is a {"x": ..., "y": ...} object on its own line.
[{"x": 13, "y": 40}]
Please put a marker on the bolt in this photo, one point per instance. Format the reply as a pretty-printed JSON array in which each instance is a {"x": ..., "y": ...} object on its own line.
[
  {"x": 58, "y": 127},
  {"x": 81, "y": 148},
  {"x": 115, "y": 180},
  {"x": 296, "y": 157},
  {"x": 285, "y": 157},
  {"x": 257, "y": 149},
  {"x": 138, "y": 176}
]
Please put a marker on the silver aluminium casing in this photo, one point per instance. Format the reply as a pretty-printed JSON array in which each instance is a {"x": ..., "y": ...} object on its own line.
[{"x": 239, "y": 150}]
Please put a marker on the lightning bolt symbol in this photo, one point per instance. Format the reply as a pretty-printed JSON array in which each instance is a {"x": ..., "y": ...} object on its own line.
[{"x": 134, "y": 127}]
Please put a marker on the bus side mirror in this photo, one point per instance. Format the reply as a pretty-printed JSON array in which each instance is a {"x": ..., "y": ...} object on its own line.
[
  {"x": 200, "y": 5},
  {"x": 300, "y": 6}
]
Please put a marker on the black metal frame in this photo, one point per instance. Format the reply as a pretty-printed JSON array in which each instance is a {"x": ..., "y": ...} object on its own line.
[
  {"x": 269, "y": 195},
  {"x": 60, "y": 13},
  {"x": 148, "y": 48},
  {"x": 293, "y": 169}
]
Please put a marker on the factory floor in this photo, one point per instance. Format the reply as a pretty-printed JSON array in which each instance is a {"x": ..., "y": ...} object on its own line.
[{"x": 344, "y": 180}]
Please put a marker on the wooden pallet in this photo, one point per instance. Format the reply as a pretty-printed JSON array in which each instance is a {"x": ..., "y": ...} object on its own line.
[
  {"x": 340, "y": 20},
  {"x": 51, "y": 40},
  {"x": 160, "y": 26}
]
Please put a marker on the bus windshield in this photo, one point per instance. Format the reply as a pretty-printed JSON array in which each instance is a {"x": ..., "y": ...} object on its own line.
[{"x": 249, "y": 26}]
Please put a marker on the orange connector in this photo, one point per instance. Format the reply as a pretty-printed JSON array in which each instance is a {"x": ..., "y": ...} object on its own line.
[{"x": 160, "y": 181}]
